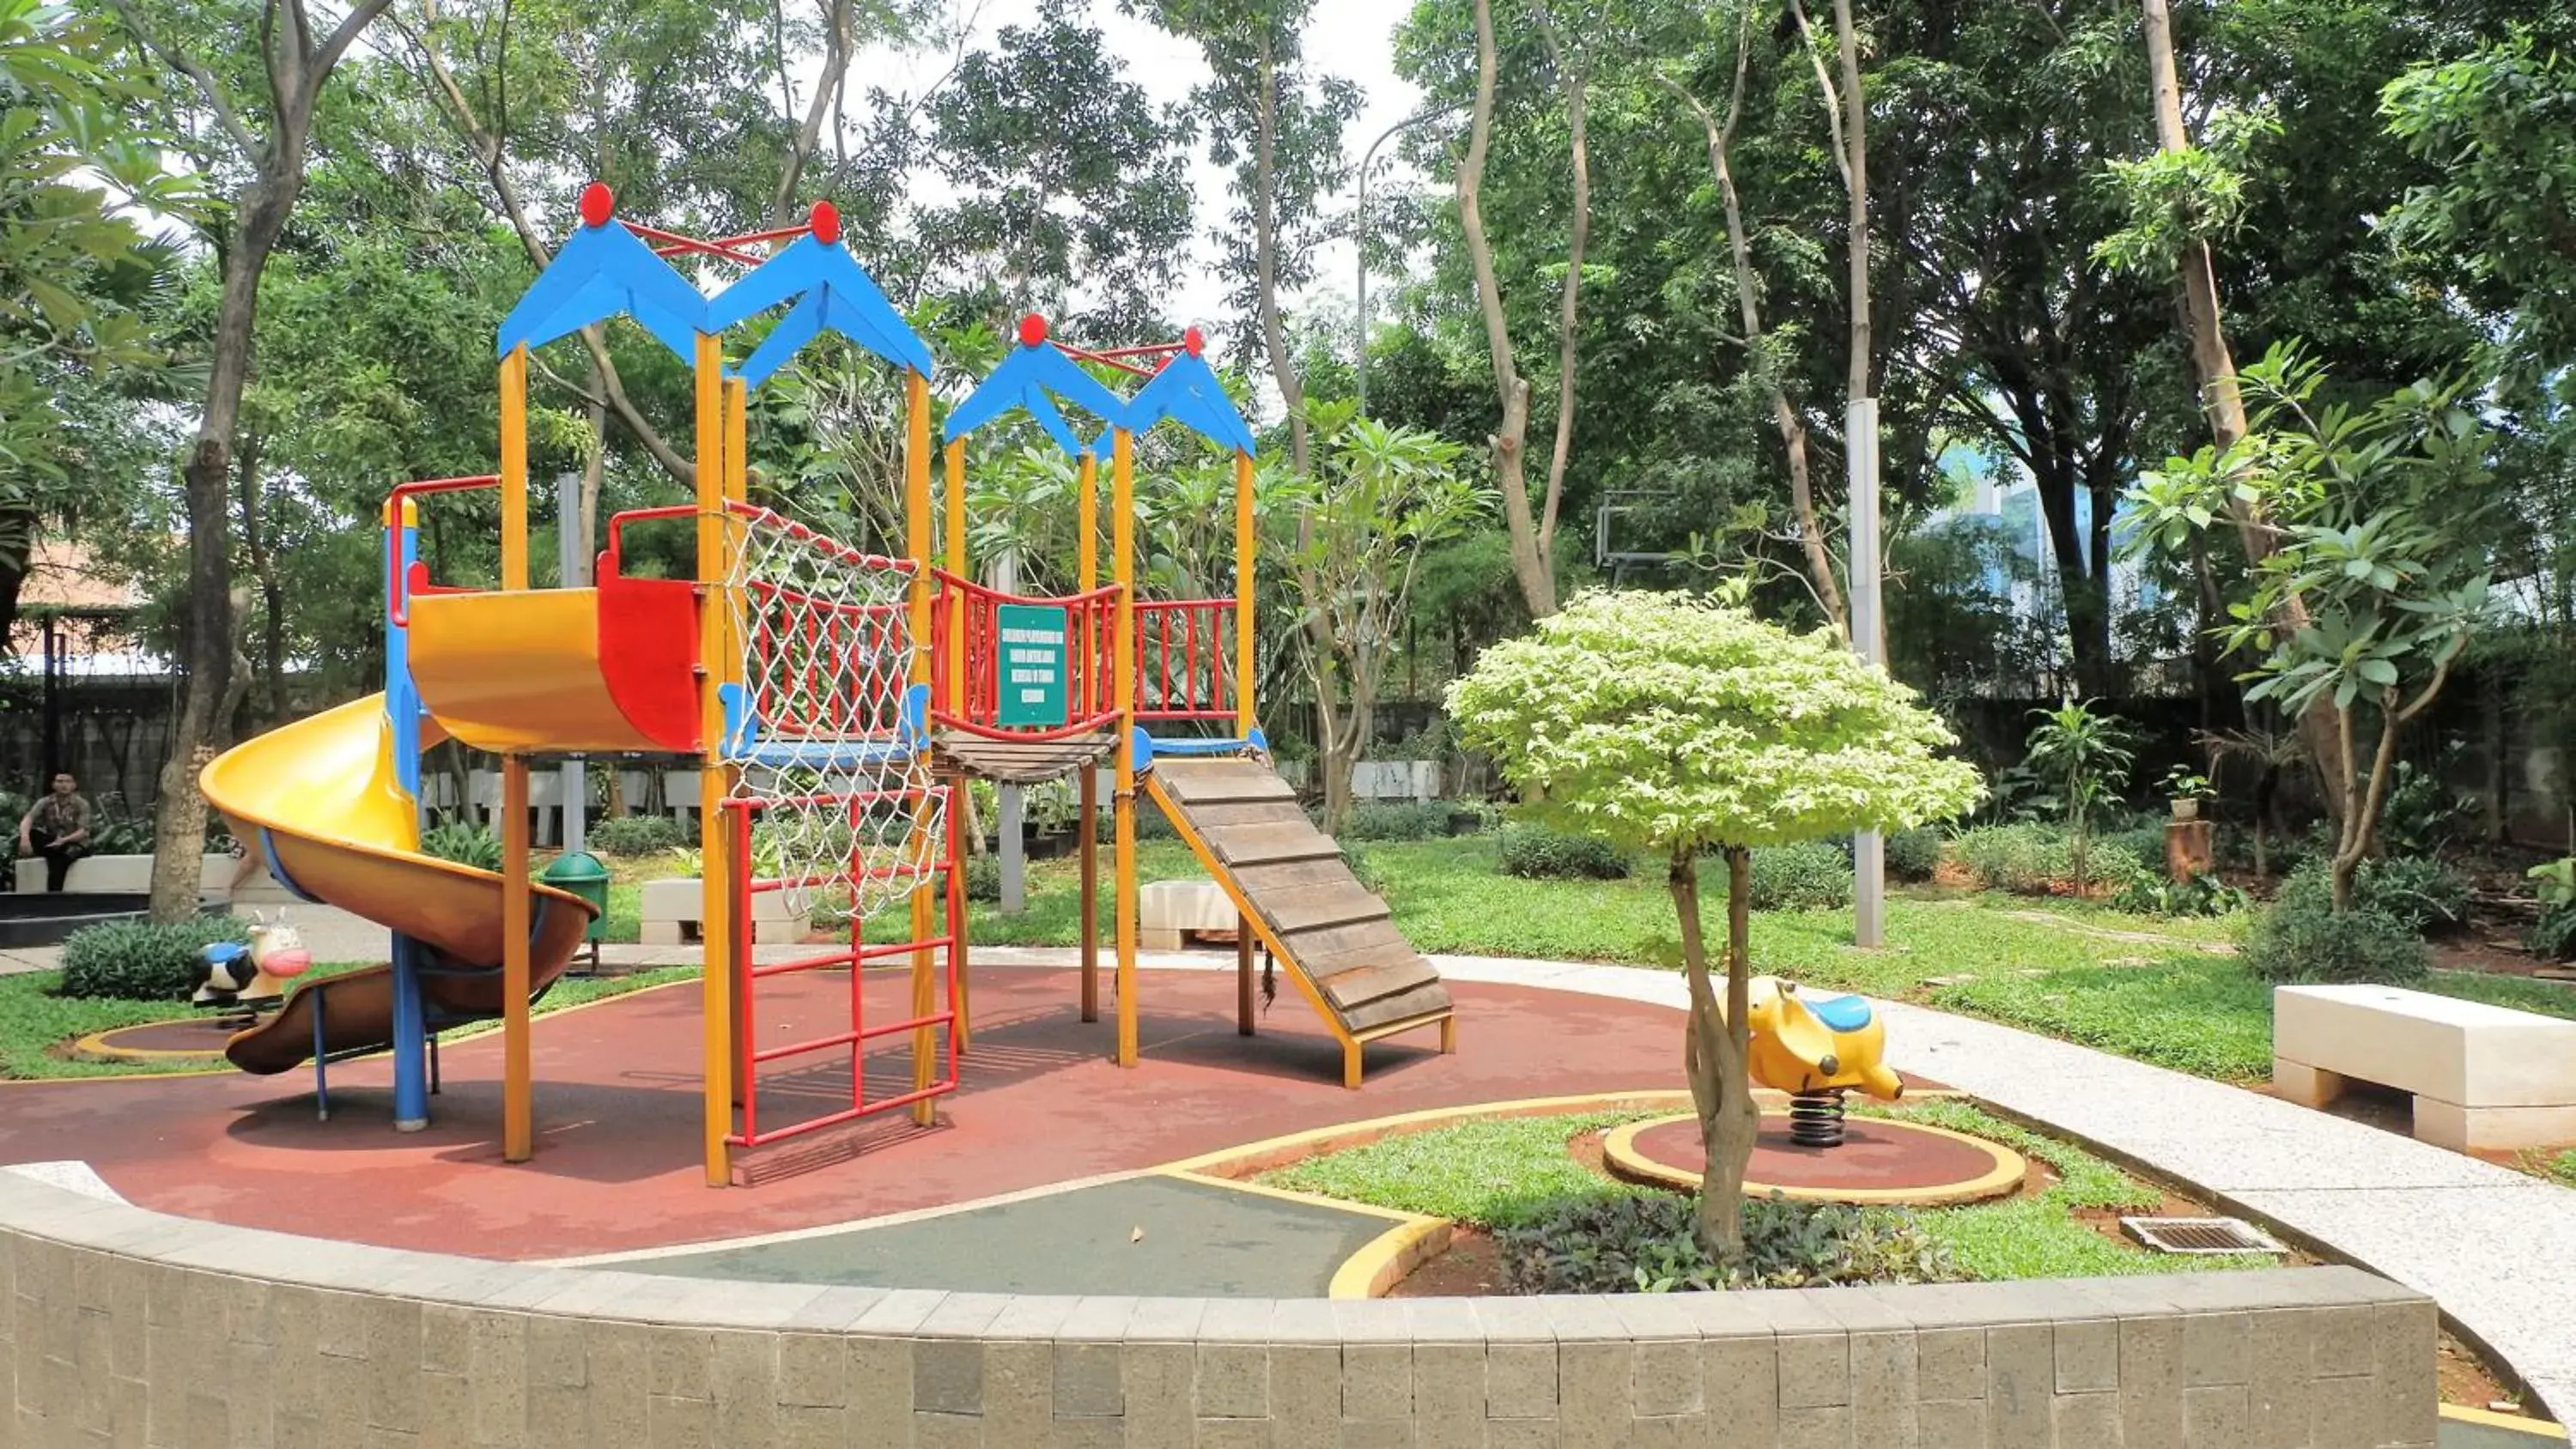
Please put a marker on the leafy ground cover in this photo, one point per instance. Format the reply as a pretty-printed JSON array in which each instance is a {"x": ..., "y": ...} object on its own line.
[{"x": 1499, "y": 1174}]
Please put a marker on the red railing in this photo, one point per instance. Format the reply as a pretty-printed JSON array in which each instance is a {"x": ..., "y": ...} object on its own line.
[
  {"x": 852, "y": 957},
  {"x": 1091, "y": 620},
  {"x": 1185, "y": 659},
  {"x": 399, "y": 589}
]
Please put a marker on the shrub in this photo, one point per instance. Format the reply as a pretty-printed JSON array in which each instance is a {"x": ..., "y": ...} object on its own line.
[
  {"x": 629, "y": 836},
  {"x": 1643, "y": 1243},
  {"x": 2302, "y": 939},
  {"x": 1150, "y": 824},
  {"x": 1535, "y": 852},
  {"x": 1398, "y": 820},
  {"x": 1914, "y": 854},
  {"x": 2143, "y": 843},
  {"x": 1812, "y": 875},
  {"x": 2553, "y": 935},
  {"x": 2203, "y": 895},
  {"x": 983, "y": 877},
  {"x": 2420, "y": 895},
  {"x": 462, "y": 842},
  {"x": 2036, "y": 860},
  {"x": 142, "y": 960}
]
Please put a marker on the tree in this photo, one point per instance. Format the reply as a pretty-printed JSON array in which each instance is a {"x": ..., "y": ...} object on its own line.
[
  {"x": 256, "y": 129},
  {"x": 2086, "y": 753},
  {"x": 1682, "y": 726},
  {"x": 2375, "y": 528},
  {"x": 1760, "y": 350},
  {"x": 1378, "y": 499},
  {"x": 1282, "y": 134},
  {"x": 1533, "y": 533},
  {"x": 75, "y": 274}
]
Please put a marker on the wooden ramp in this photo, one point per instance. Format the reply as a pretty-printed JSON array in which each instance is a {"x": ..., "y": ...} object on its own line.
[{"x": 1336, "y": 941}]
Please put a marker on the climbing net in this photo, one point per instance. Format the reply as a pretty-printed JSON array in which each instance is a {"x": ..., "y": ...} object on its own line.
[{"x": 833, "y": 775}]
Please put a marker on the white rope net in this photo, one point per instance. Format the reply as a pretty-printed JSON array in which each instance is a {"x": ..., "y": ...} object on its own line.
[{"x": 843, "y": 812}]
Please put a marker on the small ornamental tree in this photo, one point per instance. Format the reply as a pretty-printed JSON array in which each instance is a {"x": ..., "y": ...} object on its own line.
[{"x": 1683, "y": 726}]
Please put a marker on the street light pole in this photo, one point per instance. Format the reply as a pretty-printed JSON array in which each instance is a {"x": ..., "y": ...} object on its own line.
[{"x": 1359, "y": 229}]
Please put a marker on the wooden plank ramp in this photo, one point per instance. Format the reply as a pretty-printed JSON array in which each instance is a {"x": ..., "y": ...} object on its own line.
[{"x": 1336, "y": 940}]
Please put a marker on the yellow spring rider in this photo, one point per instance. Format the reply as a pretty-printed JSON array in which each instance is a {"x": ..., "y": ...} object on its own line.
[{"x": 1815, "y": 1048}]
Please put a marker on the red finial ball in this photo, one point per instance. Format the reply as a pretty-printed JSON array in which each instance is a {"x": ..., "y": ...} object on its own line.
[
  {"x": 826, "y": 222},
  {"x": 597, "y": 202},
  {"x": 1193, "y": 342},
  {"x": 1032, "y": 330}
]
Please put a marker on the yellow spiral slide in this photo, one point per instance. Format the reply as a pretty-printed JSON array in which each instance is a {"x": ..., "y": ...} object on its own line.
[{"x": 321, "y": 797}]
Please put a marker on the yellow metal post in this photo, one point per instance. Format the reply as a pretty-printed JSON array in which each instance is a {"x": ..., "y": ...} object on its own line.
[
  {"x": 1243, "y": 581},
  {"x": 917, "y": 518},
  {"x": 1088, "y": 578},
  {"x": 518, "y": 1088},
  {"x": 723, "y": 666},
  {"x": 514, "y": 469},
  {"x": 1122, "y": 681}
]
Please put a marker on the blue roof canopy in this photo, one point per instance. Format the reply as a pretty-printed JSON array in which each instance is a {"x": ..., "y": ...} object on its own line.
[
  {"x": 1031, "y": 378},
  {"x": 1188, "y": 392},
  {"x": 833, "y": 291},
  {"x": 601, "y": 272}
]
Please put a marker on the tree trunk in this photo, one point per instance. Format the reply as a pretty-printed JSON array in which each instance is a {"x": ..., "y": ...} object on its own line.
[
  {"x": 1265, "y": 259},
  {"x": 1714, "y": 1049},
  {"x": 1531, "y": 568},
  {"x": 1569, "y": 312},
  {"x": 2215, "y": 369},
  {"x": 207, "y": 649}
]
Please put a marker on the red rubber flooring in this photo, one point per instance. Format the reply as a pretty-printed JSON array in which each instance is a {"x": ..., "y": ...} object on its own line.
[
  {"x": 618, "y": 1110},
  {"x": 1876, "y": 1154}
]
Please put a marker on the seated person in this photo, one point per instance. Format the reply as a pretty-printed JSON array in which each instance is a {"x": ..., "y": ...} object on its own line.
[{"x": 57, "y": 828}]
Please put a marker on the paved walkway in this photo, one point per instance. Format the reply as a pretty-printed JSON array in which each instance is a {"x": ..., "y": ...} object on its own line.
[{"x": 2495, "y": 1248}]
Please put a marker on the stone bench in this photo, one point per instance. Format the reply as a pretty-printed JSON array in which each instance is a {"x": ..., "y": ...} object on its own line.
[
  {"x": 2482, "y": 1076},
  {"x": 127, "y": 875},
  {"x": 1168, "y": 912},
  {"x": 674, "y": 914}
]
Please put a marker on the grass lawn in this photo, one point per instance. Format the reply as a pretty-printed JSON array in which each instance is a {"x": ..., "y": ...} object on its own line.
[
  {"x": 1499, "y": 1174},
  {"x": 33, "y": 1019}
]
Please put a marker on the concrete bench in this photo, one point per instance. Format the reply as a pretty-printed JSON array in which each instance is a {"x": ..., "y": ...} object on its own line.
[
  {"x": 1168, "y": 912},
  {"x": 2482, "y": 1076},
  {"x": 674, "y": 914},
  {"x": 127, "y": 875}
]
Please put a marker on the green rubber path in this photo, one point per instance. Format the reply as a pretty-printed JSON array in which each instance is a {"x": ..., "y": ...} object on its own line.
[{"x": 1199, "y": 1241}]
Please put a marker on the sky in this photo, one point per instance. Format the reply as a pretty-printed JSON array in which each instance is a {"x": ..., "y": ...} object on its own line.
[{"x": 1354, "y": 39}]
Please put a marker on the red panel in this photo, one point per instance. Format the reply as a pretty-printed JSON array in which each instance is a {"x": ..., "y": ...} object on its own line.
[{"x": 648, "y": 653}]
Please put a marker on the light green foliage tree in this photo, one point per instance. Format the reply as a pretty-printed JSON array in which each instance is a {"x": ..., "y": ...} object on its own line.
[
  {"x": 1375, "y": 499},
  {"x": 1683, "y": 726},
  {"x": 2085, "y": 753},
  {"x": 2378, "y": 523}
]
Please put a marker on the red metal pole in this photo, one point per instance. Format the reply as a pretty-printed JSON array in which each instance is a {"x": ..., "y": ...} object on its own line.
[{"x": 747, "y": 1074}]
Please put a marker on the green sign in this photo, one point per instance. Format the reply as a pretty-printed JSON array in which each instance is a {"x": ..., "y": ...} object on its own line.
[{"x": 1032, "y": 665}]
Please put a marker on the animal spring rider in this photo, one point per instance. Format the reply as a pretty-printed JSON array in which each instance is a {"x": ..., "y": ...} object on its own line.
[
  {"x": 1815, "y": 1048},
  {"x": 252, "y": 977}
]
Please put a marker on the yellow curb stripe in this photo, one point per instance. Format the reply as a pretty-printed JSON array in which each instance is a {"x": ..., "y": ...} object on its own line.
[
  {"x": 1383, "y": 1261},
  {"x": 1269, "y": 1150},
  {"x": 97, "y": 1044},
  {"x": 450, "y": 1037},
  {"x": 1619, "y": 1150},
  {"x": 2509, "y": 1423}
]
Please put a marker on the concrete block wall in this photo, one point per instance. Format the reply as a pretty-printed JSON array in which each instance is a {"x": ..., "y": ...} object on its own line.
[{"x": 122, "y": 1327}]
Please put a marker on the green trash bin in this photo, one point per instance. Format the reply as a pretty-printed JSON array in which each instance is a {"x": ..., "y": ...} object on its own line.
[{"x": 580, "y": 873}]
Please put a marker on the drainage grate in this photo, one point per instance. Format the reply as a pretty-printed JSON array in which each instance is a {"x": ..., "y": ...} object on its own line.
[{"x": 2200, "y": 1235}]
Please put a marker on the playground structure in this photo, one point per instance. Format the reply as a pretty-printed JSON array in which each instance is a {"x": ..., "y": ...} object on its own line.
[
  {"x": 837, "y": 703},
  {"x": 1815, "y": 1048}
]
